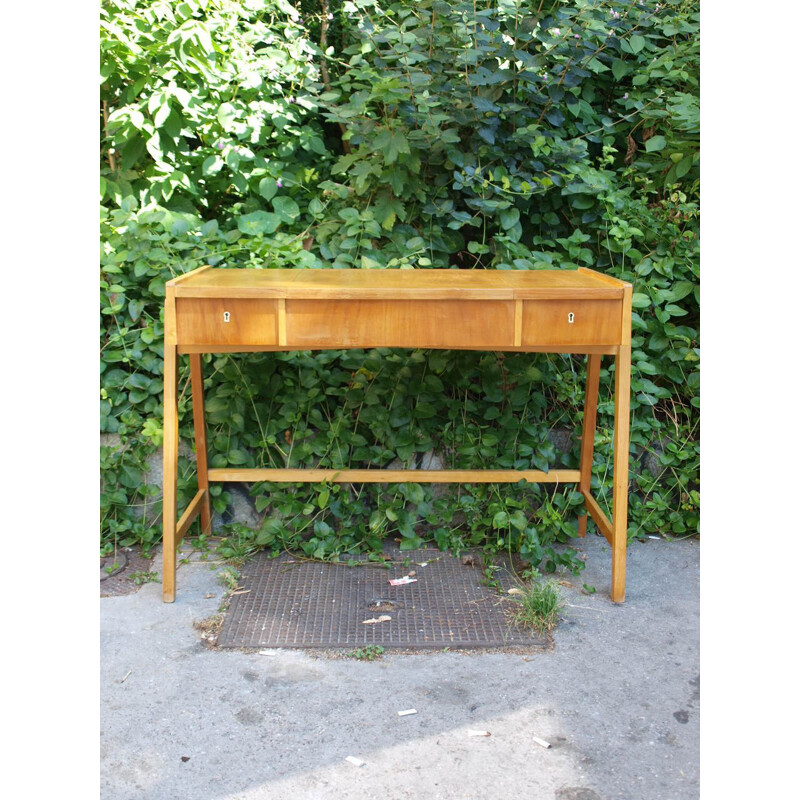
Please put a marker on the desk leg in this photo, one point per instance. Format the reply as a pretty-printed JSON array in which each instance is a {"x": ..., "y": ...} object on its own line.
[
  {"x": 170, "y": 510},
  {"x": 587, "y": 438},
  {"x": 619, "y": 514},
  {"x": 199, "y": 413}
]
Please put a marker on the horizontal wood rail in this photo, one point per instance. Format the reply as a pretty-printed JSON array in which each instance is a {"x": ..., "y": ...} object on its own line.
[
  {"x": 597, "y": 349},
  {"x": 187, "y": 518},
  {"x": 600, "y": 519},
  {"x": 395, "y": 475}
]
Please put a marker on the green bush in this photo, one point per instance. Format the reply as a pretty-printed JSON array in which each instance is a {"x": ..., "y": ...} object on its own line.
[{"x": 363, "y": 134}]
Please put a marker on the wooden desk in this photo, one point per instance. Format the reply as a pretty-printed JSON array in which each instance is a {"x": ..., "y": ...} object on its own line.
[{"x": 247, "y": 310}]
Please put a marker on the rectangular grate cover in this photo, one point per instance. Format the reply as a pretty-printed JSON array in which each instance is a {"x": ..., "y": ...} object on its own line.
[{"x": 293, "y": 603}]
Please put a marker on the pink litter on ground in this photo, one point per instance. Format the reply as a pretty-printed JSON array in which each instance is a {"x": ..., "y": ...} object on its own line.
[{"x": 400, "y": 581}]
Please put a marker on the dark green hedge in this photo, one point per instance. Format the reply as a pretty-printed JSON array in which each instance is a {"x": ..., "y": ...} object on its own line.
[{"x": 502, "y": 135}]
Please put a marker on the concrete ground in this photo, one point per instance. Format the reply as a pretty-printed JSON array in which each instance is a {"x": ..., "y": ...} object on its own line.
[{"x": 617, "y": 697}]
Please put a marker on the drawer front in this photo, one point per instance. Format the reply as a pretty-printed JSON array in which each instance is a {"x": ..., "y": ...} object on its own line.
[
  {"x": 400, "y": 323},
  {"x": 226, "y": 322},
  {"x": 571, "y": 322}
]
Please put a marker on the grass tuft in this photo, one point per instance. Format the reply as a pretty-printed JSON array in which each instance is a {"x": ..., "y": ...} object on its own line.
[{"x": 539, "y": 606}]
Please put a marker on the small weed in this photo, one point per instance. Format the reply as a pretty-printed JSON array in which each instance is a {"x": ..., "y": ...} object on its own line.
[
  {"x": 238, "y": 544},
  {"x": 368, "y": 653},
  {"x": 489, "y": 578},
  {"x": 140, "y": 578},
  {"x": 539, "y": 606},
  {"x": 588, "y": 589},
  {"x": 229, "y": 578}
]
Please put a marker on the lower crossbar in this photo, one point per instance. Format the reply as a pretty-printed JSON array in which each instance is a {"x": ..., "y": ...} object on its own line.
[{"x": 395, "y": 475}]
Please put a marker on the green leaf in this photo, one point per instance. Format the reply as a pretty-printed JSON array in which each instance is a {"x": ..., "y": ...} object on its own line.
[
  {"x": 267, "y": 188},
  {"x": 596, "y": 65},
  {"x": 135, "y": 309},
  {"x": 619, "y": 68},
  {"x": 286, "y": 208},
  {"x": 500, "y": 520},
  {"x": 210, "y": 228},
  {"x": 226, "y": 116},
  {"x": 509, "y": 218},
  {"x": 391, "y": 143},
  {"x": 259, "y": 222},
  {"x": 683, "y": 166},
  {"x": 655, "y": 143},
  {"x": 316, "y": 145},
  {"x": 212, "y": 165},
  {"x": 640, "y": 300},
  {"x": 425, "y": 411},
  {"x": 161, "y": 115},
  {"x": 154, "y": 147},
  {"x": 139, "y": 381},
  {"x": 637, "y": 43},
  {"x": 433, "y": 383},
  {"x": 387, "y": 209},
  {"x": 237, "y": 456},
  {"x": 136, "y": 118},
  {"x": 518, "y": 520},
  {"x": 681, "y": 289},
  {"x": 400, "y": 416}
]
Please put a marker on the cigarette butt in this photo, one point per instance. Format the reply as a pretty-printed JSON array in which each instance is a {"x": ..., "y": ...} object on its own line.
[
  {"x": 407, "y": 712},
  {"x": 478, "y": 733},
  {"x": 541, "y": 742},
  {"x": 356, "y": 762}
]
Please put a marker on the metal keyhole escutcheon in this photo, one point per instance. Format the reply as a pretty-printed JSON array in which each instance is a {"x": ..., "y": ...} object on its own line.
[
  {"x": 226, "y": 316},
  {"x": 570, "y": 318}
]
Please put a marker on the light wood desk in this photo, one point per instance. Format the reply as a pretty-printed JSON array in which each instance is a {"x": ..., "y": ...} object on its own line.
[{"x": 247, "y": 310}]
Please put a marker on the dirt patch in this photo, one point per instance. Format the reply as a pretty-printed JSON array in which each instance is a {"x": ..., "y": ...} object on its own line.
[{"x": 209, "y": 629}]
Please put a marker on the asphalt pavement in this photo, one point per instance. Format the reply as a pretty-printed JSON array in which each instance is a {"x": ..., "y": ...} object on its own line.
[{"x": 616, "y": 697}]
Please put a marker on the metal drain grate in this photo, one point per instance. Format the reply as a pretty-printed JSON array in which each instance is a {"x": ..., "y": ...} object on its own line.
[{"x": 293, "y": 603}]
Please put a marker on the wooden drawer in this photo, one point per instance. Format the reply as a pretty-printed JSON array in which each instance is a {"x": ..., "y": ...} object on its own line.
[
  {"x": 571, "y": 322},
  {"x": 249, "y": 322},
  {"x": 400, "y": 323}
]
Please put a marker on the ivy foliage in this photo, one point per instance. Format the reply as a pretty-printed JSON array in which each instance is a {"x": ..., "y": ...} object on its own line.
[{"x": 516, "y": 134}]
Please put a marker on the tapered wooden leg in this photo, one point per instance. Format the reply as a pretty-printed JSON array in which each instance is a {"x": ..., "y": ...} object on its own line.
[
  {"x": 587, "y": 437},
  {"x": 619, "y": 514},
  {"x": 170, "y": 511},
  {"x": 199, "y": 412}
]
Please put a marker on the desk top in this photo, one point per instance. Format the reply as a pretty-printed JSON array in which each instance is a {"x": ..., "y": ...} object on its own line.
[{"x": 397, "y": 284}]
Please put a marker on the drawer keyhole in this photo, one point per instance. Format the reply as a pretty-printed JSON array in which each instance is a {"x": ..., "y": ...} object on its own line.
[
  {"x": 570, "y": 318},
  {"x": 226, "y": 316}
]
